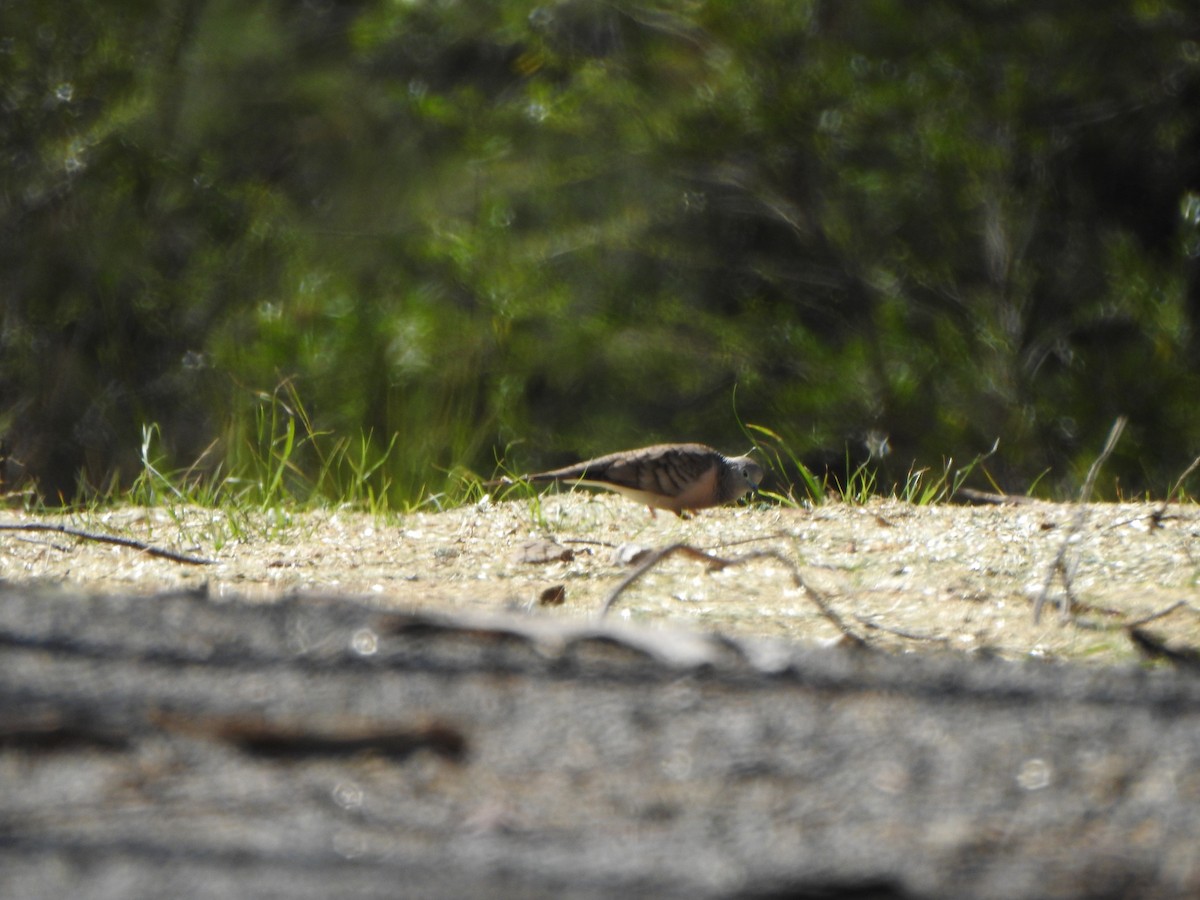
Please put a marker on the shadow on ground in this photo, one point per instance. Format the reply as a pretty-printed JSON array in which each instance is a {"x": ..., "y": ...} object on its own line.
[{"x": 180, "y": 745}]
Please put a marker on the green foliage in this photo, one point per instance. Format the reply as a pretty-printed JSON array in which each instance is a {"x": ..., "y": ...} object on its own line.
[
  {"x": 921, "y": 489},
  {"x": 576, "y": 226},
  {"x": 281, "y": 464},
  {"x": 786, "y": 469}
]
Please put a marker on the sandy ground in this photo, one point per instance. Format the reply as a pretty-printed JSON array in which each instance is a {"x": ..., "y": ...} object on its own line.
[
  {"x": 905, "y": 578},
  {"x": 183, "y": 743}
]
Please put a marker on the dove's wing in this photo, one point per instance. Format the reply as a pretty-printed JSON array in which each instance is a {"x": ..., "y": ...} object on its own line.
[{"x": 665, "y": 476}]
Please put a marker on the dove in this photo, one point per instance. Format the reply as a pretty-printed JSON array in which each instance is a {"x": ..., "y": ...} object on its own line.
[{"x": 678, "y": 477}]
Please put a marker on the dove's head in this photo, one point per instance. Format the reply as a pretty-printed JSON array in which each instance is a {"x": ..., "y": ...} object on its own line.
[{"x": 742, "y": 476}]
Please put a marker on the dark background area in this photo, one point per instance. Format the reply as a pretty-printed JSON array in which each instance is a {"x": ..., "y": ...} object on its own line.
[{"x": 551, "y": 231}]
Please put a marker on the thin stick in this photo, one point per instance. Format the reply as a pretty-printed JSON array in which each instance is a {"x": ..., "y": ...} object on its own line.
[
  {"x": 900, "y": 632},
  {"x": 982, "y": 498},
  {"x": 1158, "y": 615},
  {"x": 113, "y": 539},
  {"x": 1059, "y": 564},
  {"x": 716, "y": 563},
  {"x": 650, "y": 562},
  {"x": 1160, "y": 512},
  {"x": 1089, "y": 625}
]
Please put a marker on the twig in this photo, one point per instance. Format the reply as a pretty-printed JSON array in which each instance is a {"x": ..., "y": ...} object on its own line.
[
  {"x": 900, "y": 632},
  {"x": 652, "y": 560},
  {"x": 61, "y": 548},
  {"x": 113, "y": 539},
  {"x": 1059, "y": 565},
  {"x": 985, "y": 498},
  {"x": 1090, "y": 625},
  {"x": 1160, "y": 512},
  {"x": 716, "y": 563},
  {"x": 1158, "y": 615}
]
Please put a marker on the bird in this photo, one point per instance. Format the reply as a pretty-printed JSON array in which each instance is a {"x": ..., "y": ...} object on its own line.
[{"x": 676, "y": 477}]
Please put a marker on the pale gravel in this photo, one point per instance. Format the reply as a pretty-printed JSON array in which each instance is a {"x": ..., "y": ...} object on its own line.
[{"x": 953, "y": 578}]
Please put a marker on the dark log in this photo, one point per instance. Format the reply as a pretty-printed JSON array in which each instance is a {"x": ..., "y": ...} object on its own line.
[{"x": 178, "y": 745}]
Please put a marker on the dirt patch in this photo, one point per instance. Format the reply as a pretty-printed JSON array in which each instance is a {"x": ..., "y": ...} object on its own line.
[{"x": 905, "y": 577}]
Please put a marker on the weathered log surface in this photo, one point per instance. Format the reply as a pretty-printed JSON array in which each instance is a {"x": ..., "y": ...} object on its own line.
[{"x": 179, "y": 746}]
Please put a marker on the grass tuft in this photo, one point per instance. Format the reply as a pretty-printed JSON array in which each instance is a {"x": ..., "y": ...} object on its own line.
[
  {"x": 278, "y": 461},
  {"x": 786, "y": 468}
]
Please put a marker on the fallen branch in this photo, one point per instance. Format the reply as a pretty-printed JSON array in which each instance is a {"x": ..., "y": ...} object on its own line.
[
  {"x": 113, "y": 539},
  {"x": 1059, "y": 566},
  {"x": 717, "y": 563}
]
